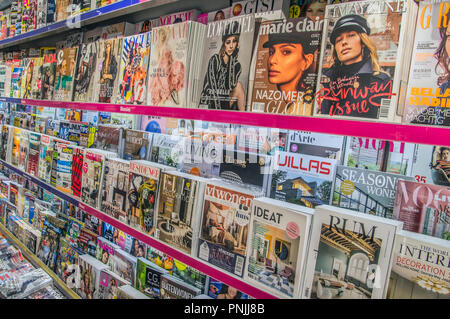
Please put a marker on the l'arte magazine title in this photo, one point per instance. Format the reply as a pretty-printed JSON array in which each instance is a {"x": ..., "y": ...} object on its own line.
[
  {"x": 428, "y": 94},
  {"x": 361, "y": 52},
  {"x": 286, "y": 66}
]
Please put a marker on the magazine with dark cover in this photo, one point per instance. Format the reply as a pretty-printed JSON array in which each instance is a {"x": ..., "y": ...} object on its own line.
[
  {"x": 107, "y": 81},
  {"x": 303, "y": 179},
  {"x": 228, "y": 49},
  {"x": 89, "y": 279},
  {"x": 136, "y": 144},
  {"x": 366, "y": 191},
  {"x": 48, "y": 76},
  {"x": 174, "y": 288},
  {"x": 65, "y": 73},
  {"x": 148, "y": 278},
  {"x": 77, "y": 169},
  {"x": 86, "y": 73},
  {"x": 279, "y": 238},
  {"x": 316, "y": 144},
  {"x": 109, "y": 137},
  {"x": 178, "y": 211},
  {"x": 143, "y": 187},
  {"x": 350, "y": 255},
  {"x": 134, "y": 62},
  {"x": 224, "y": 226},
  {"x": 286, "y": 64},
  {"x": 220, "y": 290},
  {"x": 423, "y": 208},
  {"x": 33, "y": 154},
  {"x": 427, "y": 93},
  {"x": 115, "y": 187},
  {"x": 431, "y": 164},
  {"x": 361, "y": 73},
  {"x": 378, "y": 155},
  {"x": 49, "y": 247},
  {"x": 246, "y": 168},
  {"x": 419, "y": 267},
  {"x": 92, "y": 174},
  {"x": 6, "y": 141}
]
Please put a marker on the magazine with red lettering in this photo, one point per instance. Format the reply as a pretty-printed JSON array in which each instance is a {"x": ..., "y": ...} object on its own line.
[
  {"x": 362, "y": 70},
  {"x": 224, "y": 226},
  {"x": 419, "y": 268}
]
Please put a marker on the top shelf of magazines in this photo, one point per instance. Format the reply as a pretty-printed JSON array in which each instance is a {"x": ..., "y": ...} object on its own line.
[{"x": 432, "y": 135}]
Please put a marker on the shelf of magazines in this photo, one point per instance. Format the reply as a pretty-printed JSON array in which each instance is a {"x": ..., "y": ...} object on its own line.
[
  {"x": 209, "y": 270},
  {"x": 90, "y": 17},
  {"x": 36, "y": 262},
  {"x": 418, "y": 134}
]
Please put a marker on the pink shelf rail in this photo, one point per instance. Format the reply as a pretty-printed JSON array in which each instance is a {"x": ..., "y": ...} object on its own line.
[
  {"x": 186, "y": 259},
  {"x": 419, "y": 134}
]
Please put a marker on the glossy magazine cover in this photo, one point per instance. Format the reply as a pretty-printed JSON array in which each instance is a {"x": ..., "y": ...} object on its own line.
[
  {"x": 228, "y": 50},
  {"x": 86, "y": 73},
  {"x": 108, "y": 68},
  {"x": 423, "y": 208},
  {"x": 429, "y": 78},
  {"x": 361, "y": 59},
  {"x": 65, "y": 73},
  {"x": 286, "y": 66},
  {"x": 134, "y": 60},
  {"x": 431, "y": 165},
  {"x": 48, "y": 76}
]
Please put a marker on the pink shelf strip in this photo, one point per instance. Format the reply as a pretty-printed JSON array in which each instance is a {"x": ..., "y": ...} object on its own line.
[{"x": 431, "y": 135}]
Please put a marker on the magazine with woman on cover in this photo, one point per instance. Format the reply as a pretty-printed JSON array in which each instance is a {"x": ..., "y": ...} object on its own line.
[
  {"x": 228, "y": 50},
  {"x": 109, "y": 54},
  {"x": 86, "y": 72}
]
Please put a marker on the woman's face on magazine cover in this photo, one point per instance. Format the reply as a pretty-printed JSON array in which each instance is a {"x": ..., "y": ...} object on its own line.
[
  {"x": 316, "y": 9},
  {"x": 445, "y": 156},
  {"x": 287, "y": 62},
  {"x": 231, "y": 43},
  {"x": 349, "y": 47}
]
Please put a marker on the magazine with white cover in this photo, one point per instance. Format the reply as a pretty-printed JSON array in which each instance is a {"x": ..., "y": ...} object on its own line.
[
  {"x": 303, "y": 179},
  {"x": 279, "y": 237},
  {"x": 431, "y": 164},
  {"x": 385, "y": 156},
  {"x": 316, "y": 144},
  {"x": 89, "y": 279},
  {"x": 228, "y": 49},
  {"x": 174, "y": 288},
  {"x": 366, "y": 191},
  {"x": 350, "y": 255},
  {"x": 63, "y": 154},
  {"x": 226, "y": 216},
  {"x": 361, "y": 73},
  {"x": 178, "y": 212},
  {"x": 169, "y": 64},
  {"x": 419, "y": 267},
  {"x": 427, "y": 93},
  {"x": 134, "y": 62}
]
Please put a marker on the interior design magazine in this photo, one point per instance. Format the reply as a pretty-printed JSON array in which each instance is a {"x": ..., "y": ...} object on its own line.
[
  {"x": 224, "y": 227},
  {"x": 278, "y": 243},
  {"x": 364, "y": 45},
  {"x": 285, "y": 75},
  {"x": 429, "y": 78},
  {"x": 316, "y": 144},
  {"x": 178, "y": 212},
  {"x": 366, "y": 191},
  {"x": 423, "y": 208},
  {"x": 350, "y": 255},
  {"x": 419, "y": 268}
]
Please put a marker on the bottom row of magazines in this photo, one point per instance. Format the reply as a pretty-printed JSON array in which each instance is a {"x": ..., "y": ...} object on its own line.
[{"x": 294, "y": 251}]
